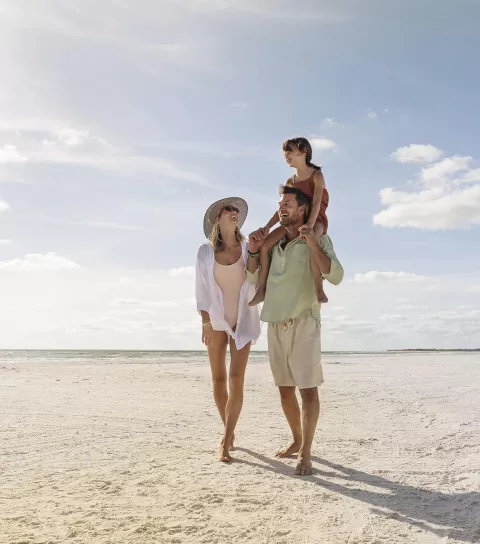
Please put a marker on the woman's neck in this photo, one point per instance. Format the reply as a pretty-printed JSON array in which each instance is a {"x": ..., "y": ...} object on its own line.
[{"x": 229, "y": 238}]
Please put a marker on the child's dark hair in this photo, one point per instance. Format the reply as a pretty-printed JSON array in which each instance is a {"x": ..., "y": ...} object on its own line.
[
  {"x": 303, "y": 145},
  {"x": 301, "y": 198}
]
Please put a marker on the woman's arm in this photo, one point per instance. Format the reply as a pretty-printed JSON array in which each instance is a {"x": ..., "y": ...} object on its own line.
[
  {"x": 319, "y": 184},
  {"x": 201, "y": 289},
  {"x": 201, "y": 292}
]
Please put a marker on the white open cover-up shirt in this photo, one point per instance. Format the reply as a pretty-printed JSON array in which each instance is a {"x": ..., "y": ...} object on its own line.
[{"x": 210, "y": 299}]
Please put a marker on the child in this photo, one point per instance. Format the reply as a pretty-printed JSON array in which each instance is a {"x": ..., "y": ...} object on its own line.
[{"x": 309, "y": 179}]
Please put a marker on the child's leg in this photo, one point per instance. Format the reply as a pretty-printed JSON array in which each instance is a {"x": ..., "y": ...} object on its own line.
[
  {"x": 317, "y": 276},
  {"x": 272, "y": 240}
]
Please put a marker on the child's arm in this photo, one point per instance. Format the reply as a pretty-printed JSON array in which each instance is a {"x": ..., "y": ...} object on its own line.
[
  {"x": 262, "y": 232},
  {"x": 319, "y": 182},
  {"x": 273, "y": 221}
]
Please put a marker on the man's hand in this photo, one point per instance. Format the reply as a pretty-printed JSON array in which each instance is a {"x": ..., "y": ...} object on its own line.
[{"x": 306, "y": 231}]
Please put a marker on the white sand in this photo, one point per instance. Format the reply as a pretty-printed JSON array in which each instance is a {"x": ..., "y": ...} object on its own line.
[{"x": 118, "y": 453}]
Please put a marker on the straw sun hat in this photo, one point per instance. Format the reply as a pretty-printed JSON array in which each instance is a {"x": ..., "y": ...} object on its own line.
[{"x": 212, "y": 213}]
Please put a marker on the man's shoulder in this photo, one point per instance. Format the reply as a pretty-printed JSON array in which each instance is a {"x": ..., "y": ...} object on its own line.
[{"x": 326, "y": 241}]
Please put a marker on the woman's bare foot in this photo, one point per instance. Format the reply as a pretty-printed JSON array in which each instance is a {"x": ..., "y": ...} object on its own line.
[
  {"x": 304, "y": 465},
  {"x": 288, "y": 451},
  {"x": 259, "y": 296},
  {"x": 232, "y": 445},
  {"x": 224, "y": 454}
]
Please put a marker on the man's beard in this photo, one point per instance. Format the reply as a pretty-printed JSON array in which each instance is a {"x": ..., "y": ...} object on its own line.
[{"x": 289, "y": 220}]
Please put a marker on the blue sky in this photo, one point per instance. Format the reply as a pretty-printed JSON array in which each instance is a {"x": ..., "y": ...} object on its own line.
[{"x": 120, "y": 123}]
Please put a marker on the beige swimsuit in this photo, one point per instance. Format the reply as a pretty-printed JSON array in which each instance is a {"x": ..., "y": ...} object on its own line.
[{"x": 230, "y": 279}]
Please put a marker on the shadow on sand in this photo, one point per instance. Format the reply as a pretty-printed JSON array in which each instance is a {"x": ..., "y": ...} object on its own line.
[{"x": 456, "y": 515}]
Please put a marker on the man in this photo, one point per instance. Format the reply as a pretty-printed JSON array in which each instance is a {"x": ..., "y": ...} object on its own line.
[{"x": 293, "y": 315}]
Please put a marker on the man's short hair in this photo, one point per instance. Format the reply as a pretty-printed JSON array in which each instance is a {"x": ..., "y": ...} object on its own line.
[{"x": 301, "y": 198}]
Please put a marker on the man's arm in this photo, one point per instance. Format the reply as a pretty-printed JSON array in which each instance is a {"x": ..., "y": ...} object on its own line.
[{"x": 325, "y": 258}]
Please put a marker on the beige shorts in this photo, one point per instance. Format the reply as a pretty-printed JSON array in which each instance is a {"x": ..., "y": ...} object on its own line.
[{"x": 294, "y": 351}]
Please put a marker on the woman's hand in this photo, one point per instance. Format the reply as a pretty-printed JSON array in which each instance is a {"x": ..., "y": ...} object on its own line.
[
  {"x": 260, "y": 234},
  {"x": 207, "y": 336},
  {"x": 255, "y": 242}
]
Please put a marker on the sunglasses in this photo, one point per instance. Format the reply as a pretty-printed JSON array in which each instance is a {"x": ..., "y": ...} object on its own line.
[{"x": 230, "y": 209}]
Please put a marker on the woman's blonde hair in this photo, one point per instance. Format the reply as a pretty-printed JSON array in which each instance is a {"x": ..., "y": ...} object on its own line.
[{"x": 215, "y": 239}]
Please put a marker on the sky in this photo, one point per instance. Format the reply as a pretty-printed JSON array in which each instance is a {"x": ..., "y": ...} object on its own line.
[{"x": 121, "y": 122}]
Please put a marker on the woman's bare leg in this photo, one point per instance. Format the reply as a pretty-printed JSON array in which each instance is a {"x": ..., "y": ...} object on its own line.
[
  {"x": 217, "y": 353},
  {"x": 317, "y": 276},
  {"x": 270, "y": 242},
  {"x": 236, "y": 378}
]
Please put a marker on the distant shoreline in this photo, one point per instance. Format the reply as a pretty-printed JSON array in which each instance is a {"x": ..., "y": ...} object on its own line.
[
  {"x": 113, "y": 350},
  {"x": 433, "y": 350}
]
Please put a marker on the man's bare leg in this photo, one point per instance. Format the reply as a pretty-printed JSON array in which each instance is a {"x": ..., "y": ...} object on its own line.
[
  {"x": 292, "y": 414},
  {"x": 238, "y": 364},
  {"x": 310, "y": 413}
]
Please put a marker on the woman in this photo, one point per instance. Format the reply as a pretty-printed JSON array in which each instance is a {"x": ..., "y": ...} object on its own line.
[{"x": 223, "y": 295}]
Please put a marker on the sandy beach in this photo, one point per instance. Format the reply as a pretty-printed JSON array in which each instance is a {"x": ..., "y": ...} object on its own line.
[{"x": 109, "y": 452}]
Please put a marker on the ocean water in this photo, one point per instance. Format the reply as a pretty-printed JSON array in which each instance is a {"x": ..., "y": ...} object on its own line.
[
  {"x": 126, "y": 357},
  {"x": 154, "y": 357}
]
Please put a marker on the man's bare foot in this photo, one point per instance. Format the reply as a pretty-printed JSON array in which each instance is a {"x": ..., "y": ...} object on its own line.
[
  {"x": 288, "y": 451},
  {"x": 224, "y": 454},
  {"x": 304, "y": 465},
  {"x": 259, "y": 297}
]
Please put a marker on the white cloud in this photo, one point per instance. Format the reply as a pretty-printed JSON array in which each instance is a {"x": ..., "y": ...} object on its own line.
[
  {"x": 322, "y": 144},
  {"x": 37, "y": 261},
  {"x": 108, "y": 225},
  {"x": 127, "y": 281},
  {"x": 393, "y": 317},
  {"x": 473, "y": 289},
  {"x": 411, "y": 307},
  {"x": 417, "y": 153},
  {"x": 146, "y": 303},
  {"x": 372, "y": 115},
  {"x": 71, "y": 136},
  {"x": 127, "y": 302},
  {"x": 472, "y": 176},
  {"x": 375, "y": 275},
  {"x": 431, "y": 210},
  {"x": 278, "y": 9},
  {"x": 329, "y": 122},
  {"x": 70, "y": 146},
  {"x": 188, "y": 271},
  {"x": 10, "y": 154},
  {"x": 92, "y": 309},
  {"x": 439, "y": 172},
  {"x": 5, "y": 242},
  {"x": 240, "y": 105},
  {"x": 442, "y": 201},
  {"x": 4, "y": 206}
]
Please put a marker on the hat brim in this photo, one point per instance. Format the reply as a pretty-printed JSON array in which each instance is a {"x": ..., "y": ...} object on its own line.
[{"x": 212, "y": 213}]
